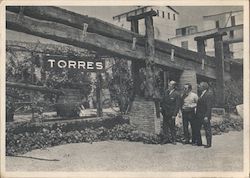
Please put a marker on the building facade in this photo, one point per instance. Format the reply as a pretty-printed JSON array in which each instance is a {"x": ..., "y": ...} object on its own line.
[
  {"x": 165, "y": 22},
  {"x": 229, "y": 22}
]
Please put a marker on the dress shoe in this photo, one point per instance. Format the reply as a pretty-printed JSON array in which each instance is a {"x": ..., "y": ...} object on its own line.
[{"x": 207, "y": 146}]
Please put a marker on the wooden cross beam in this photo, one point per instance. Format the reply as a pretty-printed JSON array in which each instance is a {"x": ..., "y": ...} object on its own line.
[
  {"x": 100, "y": 27},
  {"x": 42, "y": 89},
  {"x": 213, "y": 35},
  {"x": 141, "y": 15},
  {"x": 73, "y": 36}
]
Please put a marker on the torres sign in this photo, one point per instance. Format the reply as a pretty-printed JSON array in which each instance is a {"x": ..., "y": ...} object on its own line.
[{"x": 77, "y": 64}]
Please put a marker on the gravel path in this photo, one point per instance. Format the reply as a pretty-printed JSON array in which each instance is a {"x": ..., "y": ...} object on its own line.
[{"x": 225, "y": 155}]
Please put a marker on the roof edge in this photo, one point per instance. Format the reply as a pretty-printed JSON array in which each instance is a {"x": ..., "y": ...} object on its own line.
[
  {"x": 207, "y": 16},
  {"x": 141, "y": 8}
]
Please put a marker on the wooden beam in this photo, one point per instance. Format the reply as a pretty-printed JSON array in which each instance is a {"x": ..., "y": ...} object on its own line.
[
  {"x": 141, "y": 15},
  {"x": 213, "y": 35},
  {"x": 73, "y": 36},
  {"x": 33, "y": 87},
  {"x": 14, "y": 95},
  {"x": 227, "y": 29},
  {"x": 100, "y": 27},
  {"x": 75, "y": 20},
  {"x": 48, "y": 49},
  {"x": 234, "y": 40}
]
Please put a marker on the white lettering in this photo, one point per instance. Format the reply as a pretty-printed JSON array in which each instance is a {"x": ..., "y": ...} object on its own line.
[
  {"x": 81, "y": 64},
  {"x": 90, "y": 65},
  {"x": 72, "y": 64},
  {"x": 62, "y": 66},
  {"x": 99, "y": 65},
  {"x": 52, "y": 61}
]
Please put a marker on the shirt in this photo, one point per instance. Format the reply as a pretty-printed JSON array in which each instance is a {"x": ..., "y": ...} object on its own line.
[
  {"x": 203, "y": 93},
  {"x": 190, "y": 101},
  {"x": 171, "y": 92}
]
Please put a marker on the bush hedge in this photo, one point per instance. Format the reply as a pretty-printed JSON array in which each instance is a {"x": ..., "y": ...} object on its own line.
[{"x": 24, "y": 137}]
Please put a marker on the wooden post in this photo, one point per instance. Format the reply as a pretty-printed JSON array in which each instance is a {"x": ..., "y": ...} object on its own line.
[
  {"x": 201, "y": 46},
  {"x": 99, "y": 94},
  {"x": 150, "y": 52},
  {"x": 135, "y": 65},
  {"x": 32, "y": 94},
  {"x": 150, "y": 67},
  {"x": 226, "y": 49},
  {"x": 219, "y": 60},
  {"x": 165, "y": 79},
  {"x": 134, "y": 26}
]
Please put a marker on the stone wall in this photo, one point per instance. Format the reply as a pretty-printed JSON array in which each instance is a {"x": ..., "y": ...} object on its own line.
[{"x": 143, "y": 116}]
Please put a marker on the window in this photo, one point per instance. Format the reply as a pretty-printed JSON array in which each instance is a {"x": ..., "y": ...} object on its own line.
[
  {"x": 163, "y": 14},
  {"x": 178, "y": 32},
  {"x": 232, "y": 20},
  {"x": 183, "y": 31},
  {"x": 205, "y": 42},
  {"x": 168, "y": 15},
  {"x": 217, "y": 24},
  {"x": 184, "y": 44},
  {"x": 174, "y": 16}
]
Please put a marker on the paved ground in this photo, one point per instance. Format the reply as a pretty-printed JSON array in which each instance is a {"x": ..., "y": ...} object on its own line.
[{"x": 225, "y": 155}]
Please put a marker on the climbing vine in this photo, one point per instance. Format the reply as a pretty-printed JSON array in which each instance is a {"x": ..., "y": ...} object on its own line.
[{"x": 28, "y": 66}]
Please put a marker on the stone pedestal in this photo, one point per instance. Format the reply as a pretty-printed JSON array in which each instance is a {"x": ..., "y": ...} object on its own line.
[{"x": 143, "y": 116}]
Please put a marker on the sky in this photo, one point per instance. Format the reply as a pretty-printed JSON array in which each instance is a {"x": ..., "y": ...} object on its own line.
[{"x": 189, "y": 15}]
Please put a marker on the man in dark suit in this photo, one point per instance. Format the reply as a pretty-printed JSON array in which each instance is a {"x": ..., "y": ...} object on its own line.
[
  {"x": 170, "y": 106},
  {"x": 203, "y": 114}
]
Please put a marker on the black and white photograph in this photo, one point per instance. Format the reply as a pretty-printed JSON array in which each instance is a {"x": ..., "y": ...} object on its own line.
[{"x": 144, "y": 89}]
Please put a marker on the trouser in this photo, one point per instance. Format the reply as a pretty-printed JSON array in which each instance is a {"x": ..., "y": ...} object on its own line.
[
  {"x": 208, "y": 131},
  {"x": 188, "y": 117},
  {"x": 169, "y": 125}
]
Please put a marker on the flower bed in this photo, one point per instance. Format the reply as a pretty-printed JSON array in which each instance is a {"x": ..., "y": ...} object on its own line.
[{"x": 24, "y": 137}]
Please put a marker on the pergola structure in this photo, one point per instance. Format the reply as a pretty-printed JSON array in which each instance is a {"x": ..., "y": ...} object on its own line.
[{"x": 90, "y": 33}]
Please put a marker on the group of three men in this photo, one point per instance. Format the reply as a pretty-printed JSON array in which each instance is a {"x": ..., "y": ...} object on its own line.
[{"x": 195, "y": 110}]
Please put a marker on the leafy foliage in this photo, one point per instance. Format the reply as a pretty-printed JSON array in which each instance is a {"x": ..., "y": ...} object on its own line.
[
  {"x": 24, "y": 137},
  {"x": 233, "y": 93},
  {"x": 25, "y": 66},
  {"x": 120, "y": 84}
]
